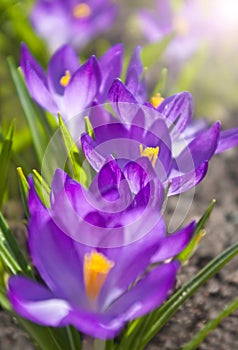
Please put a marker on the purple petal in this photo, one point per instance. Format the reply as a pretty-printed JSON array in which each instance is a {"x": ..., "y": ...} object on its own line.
[
  {"x": 111, "y": 67},
  {"x": 36, "y": 81},
  {"x": 228, "y": 139},
  {"x": 36, "y": 303},
  {"x": 69, "y": 197},
  {"x": 95, "y": 159},
  {"x": 174, "y": 243},
  {"x": 49, "y": 248},
  {"x": 148, "y": 294},
  {"x": 100, "y": 117},
  {"x": 65, "y": 59},
  {"x": 178, "y": 110},
  {"x": 158, "y": 135},
  {"x": 123, "y": 101},
  {"x": 183, "y": 183},
  {"x": 25, "y": 57},
  {"x": 134, "y": 71},
  {"x": 199, "y": 150},
  {"x": 133, "y": 257},
  {"x": 109, "y": 179},
  {"x": 136, "y": 175},
  {"x": 82, "y": 88}
]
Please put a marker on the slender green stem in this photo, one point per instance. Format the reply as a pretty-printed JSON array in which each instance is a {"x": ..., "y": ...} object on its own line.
[
  {"x": 71, "y": 340},
  {"x": 74, "y": 339},
  {"x": 210, "y": 326},
  {"x": 8, "y": 260}
]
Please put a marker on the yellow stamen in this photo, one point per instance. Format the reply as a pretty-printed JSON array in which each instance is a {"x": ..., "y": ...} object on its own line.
[
  {"x": 81, "y": 10},
  {"x": 156, "y": 100},
  {"x": 96, "y": 269},
  {"x": 150, "y": 152},
  {"x": 65, "y": 79}
]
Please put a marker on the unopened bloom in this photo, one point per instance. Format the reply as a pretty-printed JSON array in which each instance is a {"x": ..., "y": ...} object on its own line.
[
  {"x": 94, "y": 260},
  {"x": 72, "y": 22}
]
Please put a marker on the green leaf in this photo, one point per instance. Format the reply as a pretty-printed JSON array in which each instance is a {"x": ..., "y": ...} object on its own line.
[
  {"x": 5, "y": 156},
  {"x": 4, "y": 302},
  {"x": 24, "y": 189},
  {"x": 169, "y": 308},
  {"x": 210, "y": 326},
  {"x": 89, "y": 127},
  {"x": 44, "y": 337},
  {"x": 75, "y": 159},
  {"x": 42, "y": 188},
  {"x": 199, "y": 233},
  {"x": 10, "y": 251},
  {"x": 151, "y": 53},
  {"x": 40, "y": 133},
  {"x": 74, "y": 338}
]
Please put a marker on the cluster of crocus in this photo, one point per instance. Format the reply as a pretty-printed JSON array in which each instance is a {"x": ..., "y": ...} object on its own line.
[
  {"x": 103, "y": 252},
  {"x": 94, "y": 249},
  {"x": 72, "y": 21},
  {"x": 178, "y": 146}
]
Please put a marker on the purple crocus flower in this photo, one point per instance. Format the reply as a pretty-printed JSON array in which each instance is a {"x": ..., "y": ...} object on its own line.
[
  {"x": 178, "y": 147},
  {"x": 93, "y": 255},
  {"x": 70, "y": 88},
  {"x": 72, "y": 22}
]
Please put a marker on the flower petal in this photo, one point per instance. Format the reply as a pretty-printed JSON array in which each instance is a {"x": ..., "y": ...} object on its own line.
[
  {"x": 82, "y": 88},
  {"x": 174, "y": 243},
  {"x": 178, "y": 110},
  {"x": 111, "y": 67},
  {"x": 228, "y": 139},
  {"x": 183, "y": 183},
  {"x": 123, "y": 101},
  {"x": 199, "y": 150},
  {"x": 36, "y": 303},
  {"x": 54, "y": 253},
  {"x": 36, "y": 81},
  {"x": 95, "y": 159},
  {"x": 134, "y": 81},
  {"x": 147, "y": 294},
  {"x": 64, "y": 59},
  {"x": 133, "y": 256}
]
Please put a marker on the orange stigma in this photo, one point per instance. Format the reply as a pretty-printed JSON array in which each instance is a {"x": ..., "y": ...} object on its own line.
[{"x": 96, "y": 269}]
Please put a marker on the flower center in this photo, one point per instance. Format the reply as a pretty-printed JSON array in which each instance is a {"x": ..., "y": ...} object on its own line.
[
  {"x": 156, "y": 100},
  {"x": 81, "y": 11},
  {"x": 65, "y": 79},
  {"x": 96, "y": 269},
  {"x": 150, "y": 152}
]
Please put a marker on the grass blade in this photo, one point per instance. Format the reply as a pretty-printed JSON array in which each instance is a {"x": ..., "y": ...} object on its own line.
[{"x": 210, "y": 326}]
